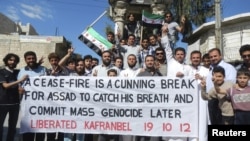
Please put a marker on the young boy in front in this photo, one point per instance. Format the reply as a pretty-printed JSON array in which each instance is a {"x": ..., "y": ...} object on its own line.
[
  {"x": 240, "y": 97},
  {"x": 227, "y": 113}
]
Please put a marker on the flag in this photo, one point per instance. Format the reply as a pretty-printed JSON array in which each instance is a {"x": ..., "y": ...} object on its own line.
[
  {"x": 95, "y": 41},
  {"x": 149, "y": 18}
]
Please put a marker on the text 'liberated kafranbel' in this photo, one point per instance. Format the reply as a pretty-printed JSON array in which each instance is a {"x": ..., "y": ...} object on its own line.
[{"x": 138, "y": 106}]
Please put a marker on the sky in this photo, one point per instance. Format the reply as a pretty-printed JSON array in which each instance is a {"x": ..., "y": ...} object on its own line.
[{"x": 69, "y": 18}]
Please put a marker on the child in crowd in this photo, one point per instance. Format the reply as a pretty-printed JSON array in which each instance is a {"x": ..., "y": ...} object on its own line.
[
  {"x": 240, "y": 97},
  {"x": 112, "y": 73},
  {"x": 224, "y": 104}
]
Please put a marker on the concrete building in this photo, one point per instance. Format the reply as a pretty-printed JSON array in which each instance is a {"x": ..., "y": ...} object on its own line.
[
  {"x": 17, "y": 38},
  {"x": 235, "y": 33}
]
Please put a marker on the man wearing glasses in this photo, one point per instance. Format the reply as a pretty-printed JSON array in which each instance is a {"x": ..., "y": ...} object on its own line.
[{"x": 161, "y": 62}]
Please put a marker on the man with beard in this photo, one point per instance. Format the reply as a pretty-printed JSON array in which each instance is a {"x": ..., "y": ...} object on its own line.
[
  {"x": 32, "y": 69},
  {"x": 150, "y": 70},
  {"x": 130, "y": 48},
  {"x": 102, "y": 69},
  {"x": 230, "y": 75},
  {"x": 161, "y": 62},
  {"x": 9, "y": 97},
  {"x": 176, "y": 61},
  {"x": 200, "y": 73},
  {"x": 87, "y": 65},
  {"x": 131, "y": 71}
]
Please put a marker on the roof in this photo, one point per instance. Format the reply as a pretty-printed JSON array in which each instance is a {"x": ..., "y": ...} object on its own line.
[{"x": 244, "y": 17}]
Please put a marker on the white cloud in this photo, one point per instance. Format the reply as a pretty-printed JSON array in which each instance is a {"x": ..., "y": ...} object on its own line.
[
  {"x": 12, "y": 13},
  {"x": 35, "y": 11}
]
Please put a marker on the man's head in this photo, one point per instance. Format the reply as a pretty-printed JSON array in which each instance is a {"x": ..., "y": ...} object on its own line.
[
  {"x": 245, "y": 53},
  {"x": 87, "y": 61},
  {"x": 94, "y": 62},
  {"x": 30, "y": 59},
  {"x": 144, "y": 43},
  {"x": 195, "y": 58},
  {"x": 11, "y": 60},
  {"x": 111, "y": 37},
  {"x": 206, "y": 60},
  {"x": 106, "y": 58},
  {"x": 179, "y": 54},
  {"x": 160, "y": 54},
  {"x": 71, "y": 64},
  {"x": 54, "y": 59},
  {"x": 150, "y": 62},
  {"x": 131, "y": 60},
  {"x": 118, "y": 62},
  {"x": 131, "y": 17},
  {"x": 153, "y": 39},
  {"x": 131, "y": 39},
  {"x": 215, "y": 56},
  {"x": 79, "y": 68},
  {"x": 168, "y": 16}
]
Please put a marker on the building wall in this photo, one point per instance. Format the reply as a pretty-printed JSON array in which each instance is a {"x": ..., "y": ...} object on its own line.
[
  {"x": 234, "y": 36},
  {"x": 41, "y": 45}
]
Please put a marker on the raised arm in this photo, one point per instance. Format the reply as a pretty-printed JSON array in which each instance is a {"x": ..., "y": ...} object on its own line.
[
  {"x": 66, "y": 57},
  {"x": 165, "y": 43}
]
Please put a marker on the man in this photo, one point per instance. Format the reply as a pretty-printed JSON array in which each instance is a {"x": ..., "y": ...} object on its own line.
[
  {"x": 56, "y": 70},
  {"x": 176, "y": 68},
  {"x": 118, "y": 62},
  {"x": 161, "y": 62},
  {"x": 153, "y": 43},
  {"x": 32, "y": 69},
  {"x": 150, "y": 70},
  {"x": 131, "y": 71},
  {"x": 94, "y": 62},
  {"x": 173, "y": 28},
  {"x": 200, "y": 73},
  {"x": 130, "y": 48},
  {"x": 245, "y": 55},
  {"x": 144, "y": 51},
  {"x": 9, "y": 95},
  {"x": 115, "y": 50},
  {"x": 206, "y": 60},
  {"x": 176, "y": 64},
  {"x": 69, "y": 62},
  {"x": 87, "y": 65},
  {"x": 101, "y": 70},
  {"x": 216, "y": 60}
]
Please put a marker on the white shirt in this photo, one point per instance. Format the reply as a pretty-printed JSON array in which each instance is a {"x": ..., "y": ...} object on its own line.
[
  {"x": 230, "y": 74},
  {"x": 129, "y": 72}
]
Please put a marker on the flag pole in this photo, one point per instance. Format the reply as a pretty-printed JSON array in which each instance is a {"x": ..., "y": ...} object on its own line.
[
  {"x": 98, "y": 18},
  {"x": 142, "y": 27}
]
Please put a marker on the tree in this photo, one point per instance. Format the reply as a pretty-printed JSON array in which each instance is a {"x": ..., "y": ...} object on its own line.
[{"x": 196, "y": 11}]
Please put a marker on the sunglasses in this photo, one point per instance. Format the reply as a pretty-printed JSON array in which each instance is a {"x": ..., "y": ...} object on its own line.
[
  {"x": 159, "y": 53},
  {"x": 245, "y": 56}
]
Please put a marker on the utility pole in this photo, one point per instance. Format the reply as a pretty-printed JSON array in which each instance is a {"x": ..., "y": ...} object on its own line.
[{"x": 218, "y": 35}]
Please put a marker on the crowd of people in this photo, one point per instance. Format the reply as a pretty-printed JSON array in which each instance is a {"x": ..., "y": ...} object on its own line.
[{"x": 222, "y": 84}]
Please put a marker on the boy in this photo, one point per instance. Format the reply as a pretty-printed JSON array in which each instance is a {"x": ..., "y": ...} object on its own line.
[
  {"x": 239, "y": 96},
  {"x": 224, "y": 104},
  {"x": 112, "y": 73}
]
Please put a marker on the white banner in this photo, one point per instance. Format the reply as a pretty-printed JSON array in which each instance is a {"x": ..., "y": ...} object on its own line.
[{"x": 148, "y": 106}]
